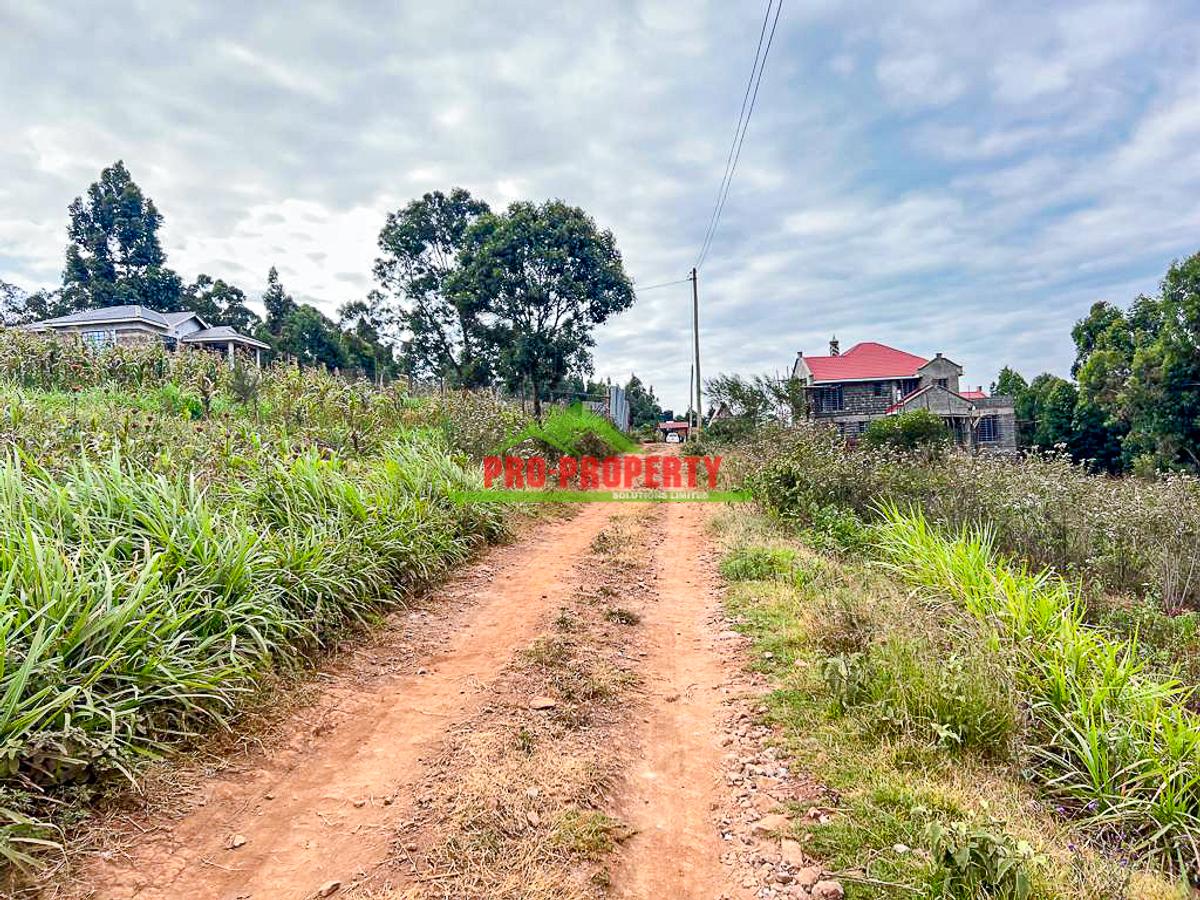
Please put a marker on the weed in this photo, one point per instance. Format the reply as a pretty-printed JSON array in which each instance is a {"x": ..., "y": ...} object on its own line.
[
  {"x": 978, "y": 858},
  {"x": 759, "y": 564},
  {"x": 589, "y": 833},
  {"x": 846, "y": 621},
  {"x": 550, "y": 653},
  {"x": 622, "y": 616},
  {"x": 1113, "y": 744},
  {"x": 525, "y": 741}
]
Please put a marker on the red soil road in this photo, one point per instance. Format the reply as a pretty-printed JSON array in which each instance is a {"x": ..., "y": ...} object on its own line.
[
  {"x": 319, "y": 810},
  {"x": 672, "y": 787}
]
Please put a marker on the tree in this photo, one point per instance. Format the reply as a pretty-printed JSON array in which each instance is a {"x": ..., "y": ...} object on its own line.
[
  {"x": 419, "y": 248},
  {"x": 538, "y": 279},
  {"x": 759, "y": 399},
  {"x": 1009, "y": 383},
  {"x": 278, "y": 302},
  {"x": 643, "y": 405},
  {"x": 1049, "y": 405},
  {"x": 20, "y": 308},
  {"x": 311, "y": 338},
  {"x": 114, "y": 256},
  {"x": 362, "y": 323},
  {"x": 219, "y": 303},
  {"x": 1161, "y": 400},
  {"x": 12, "y": 304}
]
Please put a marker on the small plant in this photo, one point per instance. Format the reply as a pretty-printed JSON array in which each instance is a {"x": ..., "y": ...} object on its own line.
[
  {"x": 762, "y": 564},
  {"x": 589, "y": 833},
  {"x": 846, "y": 621},
  {"x": 622, "y": 616},
  {"x": 846, "y": 678},
  {"x": 979, "y": 859}
]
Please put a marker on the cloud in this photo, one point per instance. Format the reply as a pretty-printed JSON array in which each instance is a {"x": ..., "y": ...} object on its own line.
[{"x": 961, "y": 176}]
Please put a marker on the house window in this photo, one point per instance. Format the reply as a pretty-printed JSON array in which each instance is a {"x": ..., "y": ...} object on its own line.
[
  {"x": 97, "y": 340},
  {"x": 943, "y": 383},
  {"x": 988, "y": 431},
  {"x": 862, "y": 426},
  {"x": 829, "y": 399},
  {"x": 880, "y": 388}
]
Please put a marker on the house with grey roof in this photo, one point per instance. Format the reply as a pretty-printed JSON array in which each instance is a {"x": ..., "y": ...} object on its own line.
[{"x": 113, "y": 325}]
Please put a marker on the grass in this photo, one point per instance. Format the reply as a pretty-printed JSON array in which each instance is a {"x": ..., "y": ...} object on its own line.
[
  {"x": 138, "y": 611},
  {"x": 902, "y": 793},
  {"x": 1113, "y": 745}
]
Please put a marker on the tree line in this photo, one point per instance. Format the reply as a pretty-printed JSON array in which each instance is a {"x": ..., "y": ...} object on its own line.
[
  {"x": 464, "y": 296},
  {"x": 1133, "y": 400}
]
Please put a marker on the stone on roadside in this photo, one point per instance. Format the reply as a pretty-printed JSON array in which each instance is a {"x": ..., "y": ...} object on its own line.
[
  {"x": 828, "y": 890},
  {"x": 792, "y": 853},
  {"x": 808, "y": 876},
  {"x": 767, "y": 824},
  {"x": 543, "y": 703},
  {"x": 329, "y": 888}
]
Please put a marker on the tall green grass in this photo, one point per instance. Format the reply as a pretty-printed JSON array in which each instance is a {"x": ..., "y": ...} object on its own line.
[
  {"x": 138, "y": 610},
  {"x": 1110, "y": 743}
]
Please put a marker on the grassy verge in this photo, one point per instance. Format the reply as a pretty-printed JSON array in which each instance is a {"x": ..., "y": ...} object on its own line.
[
  {"x": 911, "y": 711},
  {"x": 138, "y": 611}
]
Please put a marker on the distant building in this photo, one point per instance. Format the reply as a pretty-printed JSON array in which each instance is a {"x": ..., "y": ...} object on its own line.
[
  {"x": 113, "y": 325},
  {"x": 870, "y": 381}
]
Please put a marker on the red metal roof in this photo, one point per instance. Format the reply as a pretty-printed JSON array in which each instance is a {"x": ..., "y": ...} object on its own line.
[
  {"x": 865, "y": 361},
  {"x": 671, "y": 426},
  {"x": 972, "y": 395}
]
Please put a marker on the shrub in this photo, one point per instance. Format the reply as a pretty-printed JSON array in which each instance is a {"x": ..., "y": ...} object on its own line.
[
  {"x": 1124, "y": 535},
  {"x": 919, "y": 429},
  {"x": 979, "y": 859}
]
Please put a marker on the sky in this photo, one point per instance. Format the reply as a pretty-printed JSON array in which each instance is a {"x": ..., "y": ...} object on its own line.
[{"x": 956, "y": 177}]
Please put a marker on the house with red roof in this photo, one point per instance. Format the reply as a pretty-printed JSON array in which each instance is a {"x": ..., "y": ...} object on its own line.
[{"x": 871, "y": 380}]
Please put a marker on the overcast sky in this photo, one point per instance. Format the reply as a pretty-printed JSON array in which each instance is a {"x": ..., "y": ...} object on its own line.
[{"x": 964, "y": 177}]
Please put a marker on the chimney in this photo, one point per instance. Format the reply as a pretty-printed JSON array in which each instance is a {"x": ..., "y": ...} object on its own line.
[
  {"x": 799, "y": 354},
  {"x": 939, "y": 356},
  {"x": 834, "y": 350}
]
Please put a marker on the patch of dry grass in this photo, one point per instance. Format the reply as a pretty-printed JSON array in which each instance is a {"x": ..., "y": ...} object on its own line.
[{"x": 514, "y": 805}]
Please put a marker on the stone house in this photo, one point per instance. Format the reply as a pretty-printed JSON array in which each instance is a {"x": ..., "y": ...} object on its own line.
[
  {"x": 113, "y": 325},
  {"x": 871, "y": 380}
]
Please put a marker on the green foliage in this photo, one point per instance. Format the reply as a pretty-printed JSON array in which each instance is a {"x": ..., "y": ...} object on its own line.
[
  {"x": 573, "y": 431},
  {"x": 753, "y": 402},
  {"x": 169, "y": 539},
  {"x": 1124, "y": 535},
  {"x": 761, "y": 564},
  {"x": 114, "y": 256},
  {"x": 980, "y": 859},
  {"x": 539, "y": 318},
  {"x": 218, "y": 303},
  {"x": 918, "y": 429},
  {"x": 1138, "y": 394},
  {"x": 960, "y": 698},
  {"x": 419, "y": 248},
  {"x": 1110, "y": 742},
  {"x": 643, "y": 405}
]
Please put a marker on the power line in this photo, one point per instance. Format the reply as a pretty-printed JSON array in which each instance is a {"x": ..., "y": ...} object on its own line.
[
  {"x": 738, "y": 128},
  {"x": 651, "y": 287},
  {"x": 743, "y": 125}
]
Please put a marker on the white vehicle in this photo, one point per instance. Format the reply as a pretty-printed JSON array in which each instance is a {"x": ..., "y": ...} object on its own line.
[{"x": 674, "y": 437}]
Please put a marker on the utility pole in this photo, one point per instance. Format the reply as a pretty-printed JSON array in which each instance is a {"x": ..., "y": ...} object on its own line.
[{"x": 696, "y": 340}]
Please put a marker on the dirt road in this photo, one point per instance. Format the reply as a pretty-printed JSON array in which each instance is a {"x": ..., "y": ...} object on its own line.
[{"x": 362, "y": 793}]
